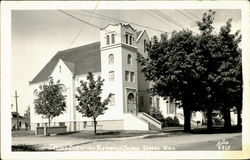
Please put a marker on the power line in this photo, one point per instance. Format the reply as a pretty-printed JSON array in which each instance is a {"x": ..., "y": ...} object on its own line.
[
  {"x": 156, "y": 17},
  {"x": 165, "y": 17},
  {"x": 192, "y": 14},
  {"x": 78, "y": 35},
  {"x": 185, "y": 15},
  {"x": 217, "y": 29},
  {"x": 95, "y": 26},
  {"x": 120, "y": 20}
]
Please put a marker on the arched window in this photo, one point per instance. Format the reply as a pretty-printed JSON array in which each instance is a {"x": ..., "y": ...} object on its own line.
[
  {"x": 129, "y": 59},
  {"x": 35, "y": 94},
  {"x": 131, "y": 97},
  {"x": 130, "y": 40},
  {"x": 107, "y": 40},
  {"x": 113, "y": 38},
  {"x": 111, "y": 59},
  {"x": 112, "y": 100},
  {"x": 144, "y": 46}
]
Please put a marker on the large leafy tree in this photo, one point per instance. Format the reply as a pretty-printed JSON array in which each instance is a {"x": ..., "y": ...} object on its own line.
[
  {"x": 174, "y": 67},
  {"x": 89, "y": 98},
  {"x": 229, "y": 73},
  {"x": 50, "y": 102},
  {"x": 207, "y": 48}
]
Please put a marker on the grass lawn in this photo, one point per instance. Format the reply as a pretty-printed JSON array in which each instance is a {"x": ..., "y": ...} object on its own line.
[{"x": 101, "y": 134}]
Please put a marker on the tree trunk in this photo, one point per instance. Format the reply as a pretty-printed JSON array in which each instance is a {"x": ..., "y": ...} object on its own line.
[
  {"x": 48, "y": 131},
  {"x": 227, "y": 118},
  {"x": 209, "y": 119},
  {"x": 239, "y": 117},
  {"x": 95, "y": 125},
  {"x": 187, "y": 118}
]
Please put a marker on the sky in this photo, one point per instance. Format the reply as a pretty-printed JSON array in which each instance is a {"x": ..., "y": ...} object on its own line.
[{"x": 37, "y": 35}]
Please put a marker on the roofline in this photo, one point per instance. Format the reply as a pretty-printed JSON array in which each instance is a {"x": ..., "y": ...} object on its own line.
[
  {"x": 78, "y": 47},
  {"x": 140, "y": 35},
  {"x": 123, "y": 24}
]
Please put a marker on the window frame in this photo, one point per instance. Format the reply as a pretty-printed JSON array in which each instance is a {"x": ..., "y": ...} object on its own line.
[
  {"x": 132, "y": 74},
  {"x": 107, "y": 40},
  {"x": 110, "y": 77},
  {"x": 111, "y": 59},
  {"x": 127, "y": 76},
  {"x": 129, "y": 59},
  {"x": 112, "y": 38},
  {"x": 112, "y": 100}
]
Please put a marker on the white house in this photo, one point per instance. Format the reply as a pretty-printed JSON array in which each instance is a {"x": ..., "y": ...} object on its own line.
[{"x": 114, "y": 58}]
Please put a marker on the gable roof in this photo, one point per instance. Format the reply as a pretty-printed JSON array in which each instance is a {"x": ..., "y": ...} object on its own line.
[
  {"x": 79, "y": 60},
  {"x": 70, "y": 65},
  {"x": 138, "y": 34}
]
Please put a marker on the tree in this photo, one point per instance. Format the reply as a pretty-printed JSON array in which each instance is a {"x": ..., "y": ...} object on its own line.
[
  {"x": 207, "y": 47},
  {"x": 50, "y": 102},
  {"x": 222, "y": 60},
  {"x": 229, "y": 73},
  {"x": 89, "y": 98},
  {"x": 27, "y": 117},
  {"x": 174, "y": 67}
]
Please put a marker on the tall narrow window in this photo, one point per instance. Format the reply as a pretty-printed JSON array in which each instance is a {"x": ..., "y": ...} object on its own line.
[
  {"x": 145, "y": 45},
  {"x": 112, "y": 100},
  {"x": 111, "y": 59},
  {"x": 113, "y": 38},
  {"x": 126, "y": 75},
  {"x": 126, "y": 37},
  {"x": 157, "y": 102},
  {"x": 129, "y": 59},
  {"x": 132, "y": 76},
  {"x": 141, "y": 100},
  {"x": 107, "y": 40},
  {"x": 60, "y": 69},
  {"x": 130, "y": 40},
  {"x": 111, "y": 76}
]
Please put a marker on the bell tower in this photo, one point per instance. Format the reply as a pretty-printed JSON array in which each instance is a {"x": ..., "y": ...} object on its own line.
[{"x": 119, "y": 67}]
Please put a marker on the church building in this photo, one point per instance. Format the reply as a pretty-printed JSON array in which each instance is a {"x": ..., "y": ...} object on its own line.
[{"x": 114, "y": 59}]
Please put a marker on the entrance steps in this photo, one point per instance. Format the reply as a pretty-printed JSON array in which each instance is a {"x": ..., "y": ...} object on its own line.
[{"x": 154, "y": 124}]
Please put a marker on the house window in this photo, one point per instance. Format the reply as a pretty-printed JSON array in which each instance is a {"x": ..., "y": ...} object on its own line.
[
  {"x": 126, "y": 75},
  {"x": 130, "y": 40},
  {"x": 144, "y": 45},
  {"x": 126, "y": 37},
  {"x": 60, "y": 69},
  {"x": 112, "y": 100},
  {"x": 129, "y": 59},
  {"x": 157, "y": 102},
  {"x": 113, "y": 38},
  {"x": 61, "y": 124},
  {"x": 35, "y": 94},
  {"x": 111, "y": 59},
  {"x": 151, "y": 101},
  {"x": 38, "y": 125},
  {"x": 132, "y": 76},
  {"x": 107, "y": 39},
  {"x": 141, "y": 100},
  {"x": 111, "y": 76}
]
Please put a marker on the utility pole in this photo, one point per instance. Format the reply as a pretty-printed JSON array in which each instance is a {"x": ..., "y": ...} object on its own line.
[{"x": 17, "y": 118}]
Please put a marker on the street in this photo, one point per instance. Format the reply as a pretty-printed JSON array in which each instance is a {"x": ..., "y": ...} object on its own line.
[{"x": 157, "y": 142}]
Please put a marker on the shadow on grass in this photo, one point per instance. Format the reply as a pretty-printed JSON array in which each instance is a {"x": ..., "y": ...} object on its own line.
[
  {"x": 109, "y": 133},
  {"x": 216, "y": 130},
  {"x": 24, "y": 147}
]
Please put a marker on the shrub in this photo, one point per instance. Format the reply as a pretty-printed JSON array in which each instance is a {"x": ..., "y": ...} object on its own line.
[
  {"x": 218, "y": 121},
  {"x": 172, "y": 122}
]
